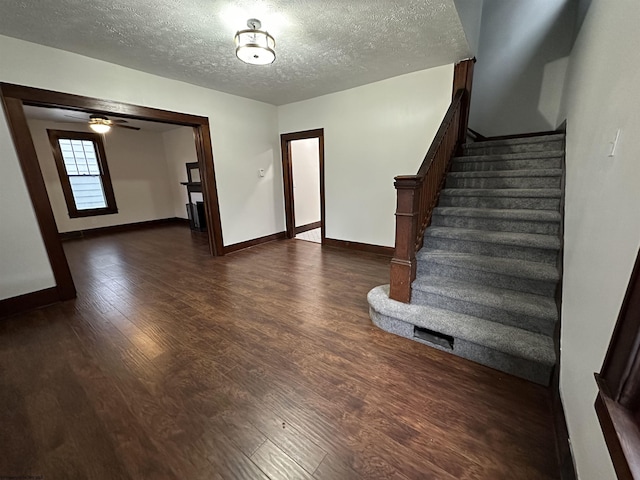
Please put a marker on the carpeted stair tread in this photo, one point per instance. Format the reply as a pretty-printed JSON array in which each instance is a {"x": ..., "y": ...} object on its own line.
[
  {"x": 505, "y": 179},
  {"x": 510, "y": 156},
  {"x": 506, "y": 266},
  {"x": 517, "y": 141},
  {"x": 503, "y": 192},
  {"x": 496, "y": 336},
  {"x": 500, "y": 213},
  {"x": 542, "y": 172},
  {"x": 510, "y": 300},
  {"x": 516, "y": 198},
  {"x": 533, "y": 240},
  {"x": 507, "y": 161},
  {"x": 516, "y": 145},
  {"x": 500, "y": 219}
]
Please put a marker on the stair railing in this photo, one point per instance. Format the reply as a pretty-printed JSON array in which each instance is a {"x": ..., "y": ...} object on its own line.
[{"x": 417, "y": 195}]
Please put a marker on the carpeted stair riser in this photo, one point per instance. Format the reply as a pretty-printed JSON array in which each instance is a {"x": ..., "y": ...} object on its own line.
[
  {"x": 507, "y": 149},
  {"x": 532, "y": 324},
  {"x": 455, "y": 200},
  {"x": 489, "y": 249},
  {"x": 476, "y": 157},
  {"x": 491, "y": 148},
  {"x": 466, "y": 164},
  {"x": 534, "y": 313},
  {"x": 502, "y": 182},
  {"x": 496, "y": 224},
  {"x": 527, "y": 369},
  {"x": 493, "y": 279},
  {"x": 502, "y": 241}
]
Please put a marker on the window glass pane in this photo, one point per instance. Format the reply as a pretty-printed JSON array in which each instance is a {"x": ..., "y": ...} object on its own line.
[
  {"x": 79, "y": 157},
  {"x": 88, "y": 192}
]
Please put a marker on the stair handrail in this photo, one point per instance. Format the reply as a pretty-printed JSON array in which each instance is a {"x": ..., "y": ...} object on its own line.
[{"x": 417, "y": 195}]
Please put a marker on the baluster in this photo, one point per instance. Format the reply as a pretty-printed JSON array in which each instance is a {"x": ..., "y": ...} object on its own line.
[{"x": 417, "y": 196}]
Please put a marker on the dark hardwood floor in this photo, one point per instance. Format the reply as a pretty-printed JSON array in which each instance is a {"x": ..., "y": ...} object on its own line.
[{"x": 262, "y": 364}]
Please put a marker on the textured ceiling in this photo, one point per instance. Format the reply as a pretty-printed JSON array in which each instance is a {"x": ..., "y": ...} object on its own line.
[{"x": 322, "y": 46}]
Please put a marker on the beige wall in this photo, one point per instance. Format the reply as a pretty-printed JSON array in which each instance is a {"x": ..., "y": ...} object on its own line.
[
  {"x": 180, "y": 148},
  {"x": 602, "y": 224},
  {"x": 138, "y": 170},
  {"x": 371, "y": 134}
]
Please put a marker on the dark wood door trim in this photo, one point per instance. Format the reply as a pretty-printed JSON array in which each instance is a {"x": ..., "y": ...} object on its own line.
[
  {"x": 618, "y": 402},
  {"x": 38, "y": 192},
  {"x": 204, "y": 152},
  {"x": 307, "y": 227},
  {"x": 15, "y": 96},
  {"x": 287, "y": 174}
]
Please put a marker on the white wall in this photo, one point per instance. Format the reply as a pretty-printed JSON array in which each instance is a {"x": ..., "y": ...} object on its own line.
[
  {"x": 138, "y": 172},
  {"x": 24, "y": 265},
  {"x": 470, "y": 13},
  {"x": 244, "y": 137},
  {"x": 522, "y": 58},
  {"x": 305, "y": 162},
  {"x": 180, "y": 148},
  {"x": 371, "y": 134},
  {"x": 602, "y": 225}
]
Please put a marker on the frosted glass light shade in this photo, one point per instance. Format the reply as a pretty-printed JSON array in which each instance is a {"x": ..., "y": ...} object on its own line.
[
  {"x": 255, "y": 47},
  {"x": 99, "y": 127}
]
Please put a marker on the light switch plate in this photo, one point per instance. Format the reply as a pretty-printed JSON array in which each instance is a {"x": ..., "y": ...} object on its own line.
[{"x": 614, "y": 144}]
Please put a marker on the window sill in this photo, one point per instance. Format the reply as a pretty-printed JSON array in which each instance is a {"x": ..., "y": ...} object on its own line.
[{"x": 93, "y": 213}]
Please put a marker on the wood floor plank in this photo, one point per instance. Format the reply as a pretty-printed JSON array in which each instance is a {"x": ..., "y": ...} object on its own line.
[
  {"x": 276, "y": 464},
  {"x": 331, "y": 468},
  {"x": 262, "y": 364}
]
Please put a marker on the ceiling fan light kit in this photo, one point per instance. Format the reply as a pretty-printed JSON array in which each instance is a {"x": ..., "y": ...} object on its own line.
[
  {"x": 99, "y": 124},
  {"x": 255, "y": 46}
]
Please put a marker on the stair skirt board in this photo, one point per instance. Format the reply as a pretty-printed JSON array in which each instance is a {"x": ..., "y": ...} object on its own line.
[{"x": 519, "y": 367}]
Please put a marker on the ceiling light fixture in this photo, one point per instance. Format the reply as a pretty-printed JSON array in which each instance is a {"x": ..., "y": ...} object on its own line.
[
  {"x": 255, "y": 46},
  {"x": 99, "y": 124}
]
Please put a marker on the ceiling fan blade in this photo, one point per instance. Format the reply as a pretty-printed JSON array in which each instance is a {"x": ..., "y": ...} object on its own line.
[
  {"x": 118, "y": 120},
  {"x": 75, "y": 116},
  {"x": 125, "y": 126}
]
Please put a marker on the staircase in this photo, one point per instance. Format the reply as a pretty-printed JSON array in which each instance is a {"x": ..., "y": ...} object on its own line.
[{"x": 488, "y": 270}]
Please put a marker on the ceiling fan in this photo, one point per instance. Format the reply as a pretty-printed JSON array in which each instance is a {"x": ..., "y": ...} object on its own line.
[{"x": 102, "y": 123}]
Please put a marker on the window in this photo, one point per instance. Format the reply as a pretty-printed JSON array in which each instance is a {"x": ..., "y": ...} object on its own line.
[
  {"x": 84, "y": 174},
  {"x": 618, "y": 401}
]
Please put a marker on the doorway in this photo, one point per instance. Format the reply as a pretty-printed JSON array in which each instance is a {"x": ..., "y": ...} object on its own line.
[
  {"x": 303, "y": 175},
  {"x": 16, "y": 97}
]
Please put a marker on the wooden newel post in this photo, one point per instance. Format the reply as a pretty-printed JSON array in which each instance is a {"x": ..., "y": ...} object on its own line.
[{"x": 403, "y": 264}]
